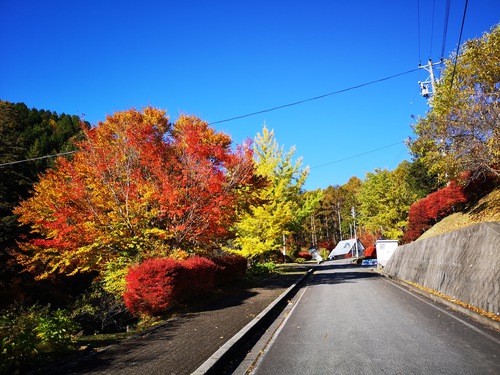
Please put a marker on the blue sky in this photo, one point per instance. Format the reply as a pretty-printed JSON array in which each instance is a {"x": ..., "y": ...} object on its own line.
[{"x": 224, "y": 59}]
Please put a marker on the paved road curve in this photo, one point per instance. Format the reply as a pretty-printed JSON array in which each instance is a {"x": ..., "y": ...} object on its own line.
[{"x": 349, "y": 320}]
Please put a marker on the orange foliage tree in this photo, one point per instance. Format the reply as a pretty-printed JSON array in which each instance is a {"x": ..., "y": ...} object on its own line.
[{"x": 139, "y": 187}]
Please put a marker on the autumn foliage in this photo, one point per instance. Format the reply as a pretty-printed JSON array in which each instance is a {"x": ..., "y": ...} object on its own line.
[
  {"x": 304, "y": 254},
  {"x": 370, "y": 252},
  {"x": 138, "y": 187},
  {"x": 153, "y": 286},
  {"x": 199, "y": 275},
  {"x": 229, "y": 267},
  {"x": 429, "y": 210},
  {"x": 156, "y": 285}
]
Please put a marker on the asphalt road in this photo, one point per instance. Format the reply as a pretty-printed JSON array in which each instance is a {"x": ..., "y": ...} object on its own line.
[{"x": 350, "y": 320}]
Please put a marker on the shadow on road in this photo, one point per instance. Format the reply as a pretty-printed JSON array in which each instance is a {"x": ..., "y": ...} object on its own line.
[{"x": 337, "y": 273}]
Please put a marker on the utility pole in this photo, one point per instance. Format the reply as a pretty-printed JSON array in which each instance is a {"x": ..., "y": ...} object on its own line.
[
  {"x": 314, "y": 238},
  {"x": 353, "y": 213},
  {"x": 284, "y": 248},
  {"x": 428, "y": 87},
  {"x": 340, "y": 222}
]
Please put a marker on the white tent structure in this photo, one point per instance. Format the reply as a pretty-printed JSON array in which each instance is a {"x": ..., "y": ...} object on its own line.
[{"x": 347, "y": 249}]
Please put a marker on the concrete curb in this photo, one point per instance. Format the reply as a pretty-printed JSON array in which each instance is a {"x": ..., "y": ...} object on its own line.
[
  {"x": 491, "y": 323},
  {"x": 221, "y": 357}
]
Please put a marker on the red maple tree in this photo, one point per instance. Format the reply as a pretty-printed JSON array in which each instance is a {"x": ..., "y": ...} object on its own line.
[{"x": 139, "y": 187}]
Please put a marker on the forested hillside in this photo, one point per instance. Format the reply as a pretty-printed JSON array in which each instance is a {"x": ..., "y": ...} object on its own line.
[{"x": 26, "y": 134}]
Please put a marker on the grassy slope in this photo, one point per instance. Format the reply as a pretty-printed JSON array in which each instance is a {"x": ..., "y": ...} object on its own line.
[{"x": 487, "y": 209}]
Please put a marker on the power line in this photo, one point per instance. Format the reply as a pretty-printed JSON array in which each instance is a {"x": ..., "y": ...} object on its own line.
[
  {"x": 445, "y": 30},
  {"x": 432, "y": 27},
  {"x": 357, "y": 155},
  {"x": 458, "y": 46},
  {"x": 418, "y": 30},
  {"x": 38, "y": 158},
  {"x": 314, "y": 98},
  {"x": 249, "y": 114}
]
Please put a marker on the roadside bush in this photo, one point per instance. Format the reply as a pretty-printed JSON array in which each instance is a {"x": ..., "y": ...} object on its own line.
[
  {"x": 98, "y": 310},
  {"x": 230, "y": 267},
  {"x": 429, "y": 210},
  {"x": 153, "y": 286},
  {"x": 305, "y": 255},
  {"x": 198, "y": 275},
  {"x": 324, "y": 252},
  {"x": 263, "y": 268},
  {"x": 27, "y": 331},
  {"x": 274, "y": 256},
  {"x": 370, "y": 252},
  {"x": 156, "y": 285}
]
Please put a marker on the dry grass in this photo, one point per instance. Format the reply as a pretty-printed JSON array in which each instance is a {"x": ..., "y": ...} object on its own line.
[{"x": 486, "y": 209}]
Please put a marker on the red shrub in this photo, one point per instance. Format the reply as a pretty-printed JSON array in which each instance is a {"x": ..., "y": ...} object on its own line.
[
  {"x": 370, "y": 252},
  {"x": 230, "y": 267},
  {"x": 326, "y": 245},
  {"x": 157, "y": 284},
  {"x": 304, "y": 254},
  {"x": 198, "y": 275},
  {"x": 153, "y": 286},
  {"x": 429, "y": 210}
]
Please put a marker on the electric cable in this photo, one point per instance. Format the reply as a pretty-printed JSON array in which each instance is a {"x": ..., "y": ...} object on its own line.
[
  {"x": 418, "y": 31},
  {"x": 458, "y": 45},
  {"x": 37, "y": 158},
  {"x": 357, "y": 155},
  {"x": 314, "y": 98},
  {"x": 253, "y": 113},
  {"x": 445, "y": 30},
  {"x": 432, "y": 27}
]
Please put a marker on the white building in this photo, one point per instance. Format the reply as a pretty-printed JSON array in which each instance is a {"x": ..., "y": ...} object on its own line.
[
  {"x": 347, "y": 249},
  {"x": 385, "y": 249}
]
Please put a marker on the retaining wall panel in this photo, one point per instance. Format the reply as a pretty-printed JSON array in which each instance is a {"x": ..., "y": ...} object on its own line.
[{"x": 464, "y": 265}]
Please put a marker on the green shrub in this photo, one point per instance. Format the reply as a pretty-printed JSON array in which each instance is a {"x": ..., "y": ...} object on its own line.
[
  {"x": 99, "y": 311},
  {"x": 55, "y": 331},
  {"x": 27, "y": 331},
  {"x": 324, "y": 253},
  {"x": 263, "y": 268}
]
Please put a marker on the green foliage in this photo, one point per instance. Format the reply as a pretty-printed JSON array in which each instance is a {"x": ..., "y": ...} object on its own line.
[
  {"x": 332, "y": 216},
  {"x": 461, "y": 132},
  {"x": 324, "y": 252},
  {"x": 55, "y": 330},
  {"x": 99, "y": 311},
  {"x": 281, "y": 207},
  {"x": 27, "y": 133},
  {"x": 262, "y": 268},
  {"x": 27, "y": 331},
  {"x": 385, "y": 200}
]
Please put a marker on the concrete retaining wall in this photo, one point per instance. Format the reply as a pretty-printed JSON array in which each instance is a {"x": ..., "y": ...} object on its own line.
[{"x": 464, "y": 264}]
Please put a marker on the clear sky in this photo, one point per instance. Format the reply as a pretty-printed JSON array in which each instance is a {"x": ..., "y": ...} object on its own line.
[{"x": 223, "y": 59}]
